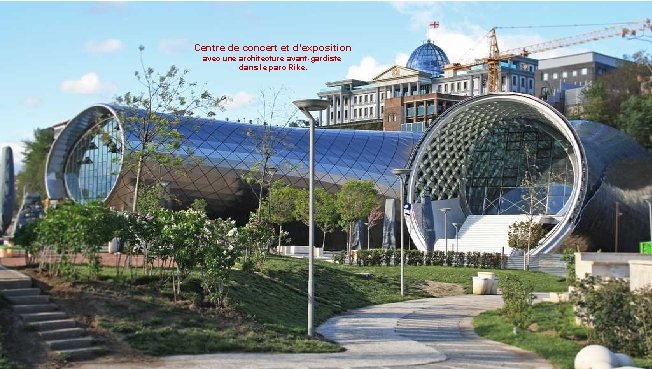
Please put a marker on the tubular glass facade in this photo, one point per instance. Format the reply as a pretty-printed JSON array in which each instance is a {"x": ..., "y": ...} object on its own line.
[
  {"x": 93, "y": 165},
  {"x": 518, "y": 170}
]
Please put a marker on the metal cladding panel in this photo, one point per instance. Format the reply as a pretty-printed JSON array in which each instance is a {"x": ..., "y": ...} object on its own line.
[
  {"x": 217, "y": 154},
  {"x": 618, "y": 169}
]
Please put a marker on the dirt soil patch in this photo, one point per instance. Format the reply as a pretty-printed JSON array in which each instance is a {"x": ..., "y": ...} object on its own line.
[{"x": 441, "y": 289}]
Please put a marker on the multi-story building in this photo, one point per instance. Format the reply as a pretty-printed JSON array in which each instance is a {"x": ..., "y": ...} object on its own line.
[
  {"x": 407, "y": 98},
  {"x": 561, "y": 80}
]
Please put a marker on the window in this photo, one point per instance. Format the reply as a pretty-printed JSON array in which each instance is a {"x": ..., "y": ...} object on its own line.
[
  {"x": 439, "y": 88},
  {"x": 381, "y": 109},
  {"x": 574, "y": 73},
  {"x": 564, "y": 74},
  {"x": 555, "y": 75},
  {"x": 531, "y": 83},
  {"x": 585, "y": 71},
  {"x": 346, "y": 101},
  {"x": 522, "y": 81},
  {"x": 355, "y": 99},
  {"x": 466, "y": 86},
  {"x": 371, "y": 111},
  {"x": 355, "y": 113},
  {"x": 459, "y": 85},
  {"x": 446, "y": 87},
  {"x": 545, "y": 76},
  {"x": 366, "y": 112},
  {"x": 382, "y": 96},
  {"x": 346, "y": 114},
  {"x": 366, "y": 97},
  {"x": 371, "y": 98},
  {"x": 514, "y": 81}
]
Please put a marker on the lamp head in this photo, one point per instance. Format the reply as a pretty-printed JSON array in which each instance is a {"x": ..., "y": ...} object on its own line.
[
  {"x": 400, "y": 171},
  {"x": 445, "y": 210}
]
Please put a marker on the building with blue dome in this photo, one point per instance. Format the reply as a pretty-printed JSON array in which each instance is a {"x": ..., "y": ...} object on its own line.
[
  {"x": 408, "y": 98},
  {"x": 428, "y": 58}
]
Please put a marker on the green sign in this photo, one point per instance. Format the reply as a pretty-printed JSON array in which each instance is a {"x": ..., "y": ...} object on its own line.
[{"x": 646, "y": 247}]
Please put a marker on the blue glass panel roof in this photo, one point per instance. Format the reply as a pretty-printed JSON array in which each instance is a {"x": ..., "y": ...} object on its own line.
[{"x": 428, "y": 58}]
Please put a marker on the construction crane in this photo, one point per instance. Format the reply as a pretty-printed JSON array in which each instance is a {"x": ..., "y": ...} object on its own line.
[{"x": 495, "y": 56}]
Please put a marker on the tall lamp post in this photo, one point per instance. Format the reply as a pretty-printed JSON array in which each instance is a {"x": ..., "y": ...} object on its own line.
[
  {"x": 648, "y": 199},
  {"x": 457, "y": 231},
  {"x": 401, "y": 173},
  {"x": 306, "y": 106},
  {"x": 445, "y": 211}
]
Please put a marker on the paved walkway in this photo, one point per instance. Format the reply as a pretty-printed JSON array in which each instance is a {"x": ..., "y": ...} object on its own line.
[{"x": 419, "y": 334}]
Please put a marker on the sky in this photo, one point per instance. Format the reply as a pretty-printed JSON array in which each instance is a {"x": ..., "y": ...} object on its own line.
[{"x": 58, "y": 58}]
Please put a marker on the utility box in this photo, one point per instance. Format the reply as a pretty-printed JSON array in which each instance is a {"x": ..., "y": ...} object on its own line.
[{"x": 646, "y": 247}]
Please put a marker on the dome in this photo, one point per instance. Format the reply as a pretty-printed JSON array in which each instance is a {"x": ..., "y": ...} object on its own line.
[{"x": 428, "y": 58}]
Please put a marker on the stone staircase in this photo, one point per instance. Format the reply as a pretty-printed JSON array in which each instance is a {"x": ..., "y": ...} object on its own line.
[
  {"x": 547, "y": 263},
  {"x": 483, "y": 233},
  {"x": 59, "y": 332}
]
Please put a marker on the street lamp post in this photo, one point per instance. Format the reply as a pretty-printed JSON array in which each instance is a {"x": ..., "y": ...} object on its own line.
[
  {"x": 401, "y": 172},
  {"x": 445, "y": 211},
  {"x": 457, "y": 231},
  {"x": 648, "y": 199},
  {"x": 306, "y": 106}
]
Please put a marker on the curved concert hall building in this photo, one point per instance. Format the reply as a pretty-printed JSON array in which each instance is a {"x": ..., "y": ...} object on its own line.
[{"x": 484, "y": 164}]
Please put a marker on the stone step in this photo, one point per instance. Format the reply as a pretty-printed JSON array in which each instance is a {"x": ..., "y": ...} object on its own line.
[
  {"x": 43, "y": 316},
  {"x": 11, "y": 284},
  {"x": 81, "y": 353},
  {"x": 52, "y": 324},
  {"x": 59, "y": 334},
  {"x": 26, "y": 309},
  {"x": 70, "y": 343},
  {"x": 29, "y": 300},
  {"x": 21, "y": 292}
]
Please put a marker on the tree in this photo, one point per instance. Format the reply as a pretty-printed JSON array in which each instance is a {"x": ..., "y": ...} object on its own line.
[
  {"x": 167, "y": 99},
  {"x": 635, "y": 119},
  {"x": 355, "y": 201},
  {"x": 280, "y": 204},
  {"x": 31, "y": 178},
  {"x": 326, "y": 215},
  {"x": 374, "y": 217},
  {"x": 602, "y": 101}
]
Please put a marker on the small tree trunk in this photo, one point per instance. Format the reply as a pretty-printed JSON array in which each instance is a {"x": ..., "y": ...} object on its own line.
[
  {"x": 139, "y": 172},
  {"x": 323, "y": 241},
  {"x": 280, "y": 231}
]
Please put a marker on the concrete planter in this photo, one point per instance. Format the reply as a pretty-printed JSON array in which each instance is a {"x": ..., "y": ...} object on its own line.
[{"x": 481, "y": 286}]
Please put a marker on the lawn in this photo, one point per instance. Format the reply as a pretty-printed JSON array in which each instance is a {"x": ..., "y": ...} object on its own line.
[
  {"x": 339, "y": 288},
  {"x": 553, "y": 335},
  {"x": 266, "y": 311}
]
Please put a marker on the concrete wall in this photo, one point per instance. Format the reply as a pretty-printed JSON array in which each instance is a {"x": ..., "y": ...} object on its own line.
[{"x": 635, "y": 267}]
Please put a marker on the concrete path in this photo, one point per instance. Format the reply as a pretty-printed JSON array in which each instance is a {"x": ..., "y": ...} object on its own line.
[{"x": 419, "y": 334}]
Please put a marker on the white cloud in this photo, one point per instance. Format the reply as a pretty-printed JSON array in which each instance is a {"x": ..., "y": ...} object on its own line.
[
  {"x": 31, "y": 101},
  {"x": 240, "y": 100},
  {"x": 104, "y": 47},
  {"x": 173, "y": 45},
  {"x": 368, "y": 68},
  {"x": 87, "y": 84},
  {"x": 17, "y": 149},
  {"x": 401, "y": 59}
]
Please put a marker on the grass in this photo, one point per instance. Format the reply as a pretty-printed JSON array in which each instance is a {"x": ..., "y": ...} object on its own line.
[
  {"x": 267, "y": 311},
  {"x": 339, "y": 288},
  {"x": 553, "y": 335}
]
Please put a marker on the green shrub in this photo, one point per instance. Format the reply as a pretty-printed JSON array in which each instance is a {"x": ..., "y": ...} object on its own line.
[
  {"x": 517, "y": 296},
  {"x": 608, "y": 307},
  {"x": 414, "y": 257}
]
